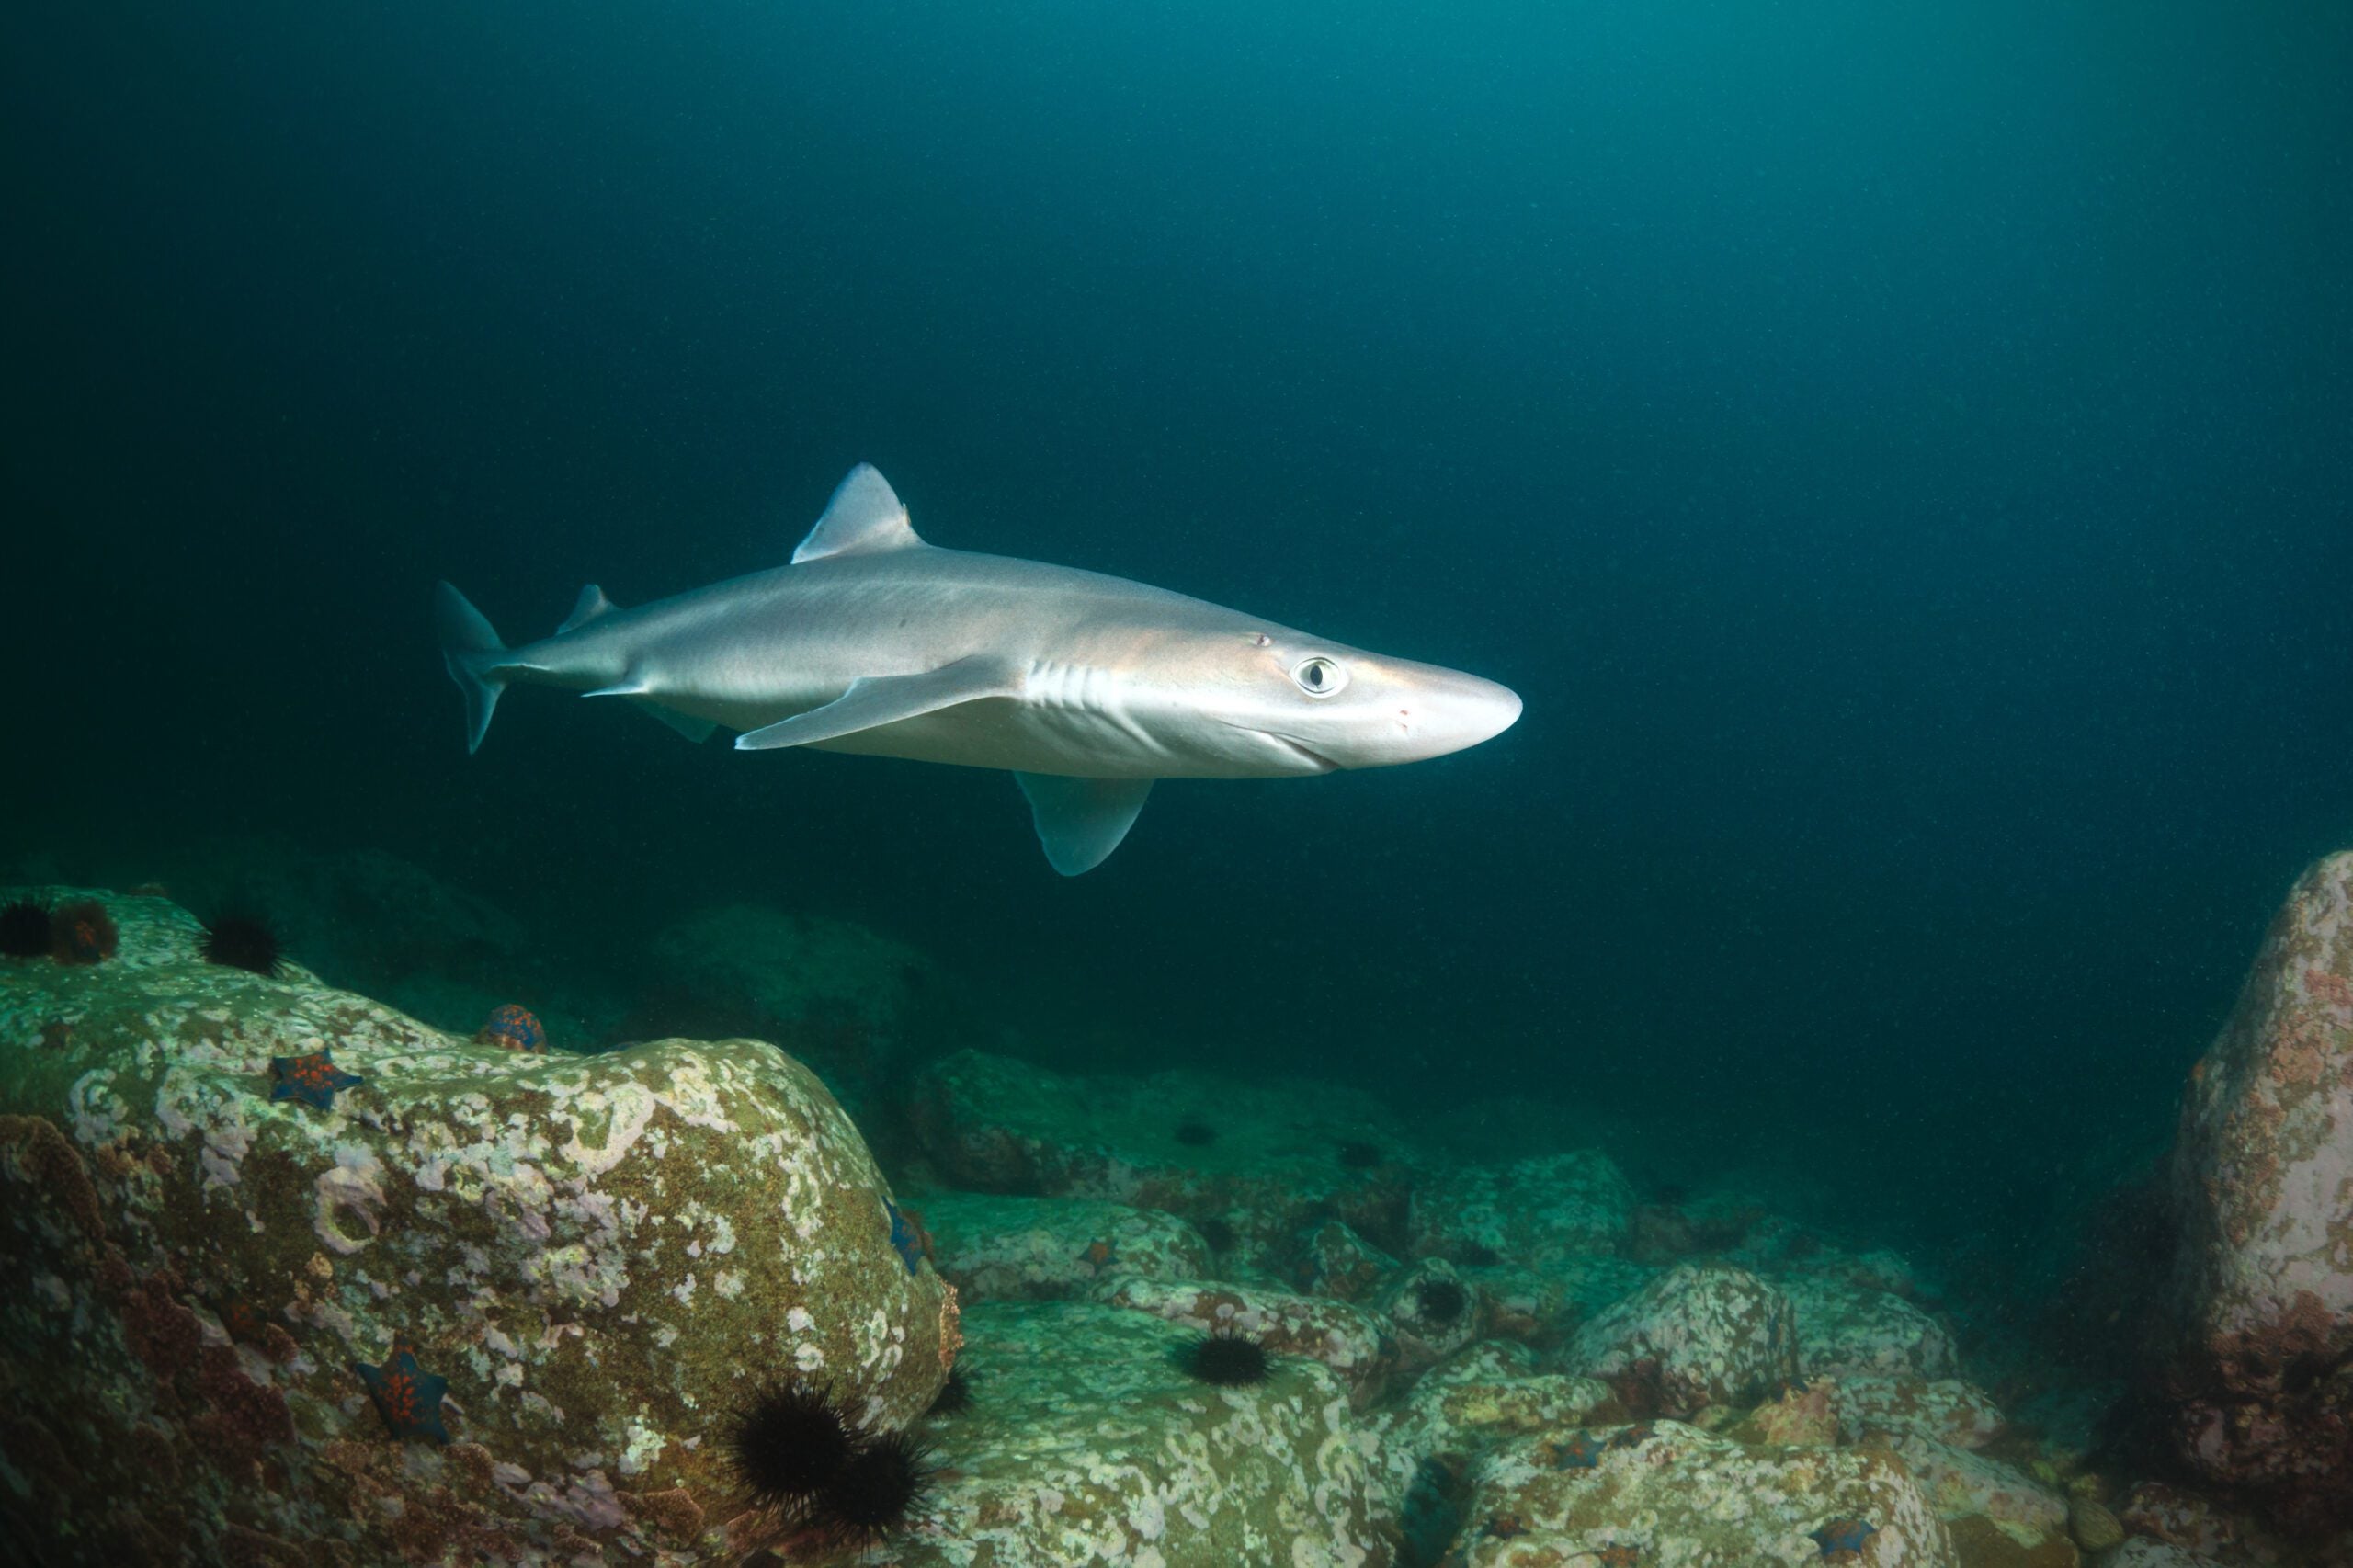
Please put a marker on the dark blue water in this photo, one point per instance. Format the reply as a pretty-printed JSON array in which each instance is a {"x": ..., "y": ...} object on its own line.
[{"x": 1903, "y": 456}]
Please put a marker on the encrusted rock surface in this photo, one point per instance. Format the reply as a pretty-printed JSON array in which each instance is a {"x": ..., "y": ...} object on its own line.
[
  {"x": 1961, "y": 1485},
  {"x": 1946, "y": 1409},
  {"x": 1535, "y": 1213},
  {"x": 1671, "y": 1496},
  {"x": 1696, "y": 1335},
  {"x": 1434, "y": 1310},
  {"x": 1347, "y": 1339},
  {"x": 596, "y": 1252},
  {"x": 996, "y": 1248},
  {"x": 2143, "y": 1551},
  {"x": 1336, "y": 1261},
  {"x": 1085, "y": 1443},
  {"x": 2263, "y": 1188},
  {"x": 1849, "y": 1329}
]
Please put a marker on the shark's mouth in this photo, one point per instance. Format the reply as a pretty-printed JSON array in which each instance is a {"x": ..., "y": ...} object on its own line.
[{"x": 1316, "y": 761}]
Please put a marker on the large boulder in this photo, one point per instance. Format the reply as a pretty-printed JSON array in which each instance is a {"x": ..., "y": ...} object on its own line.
[
  {"x": 1476, "y": 1401},
  {"x": 1536, "y": 1213},
  {"x": 1944, "y": 1410},
  {"x": 1696, "y": 1335},
  {"x": 1671, "y": 1496},
  {"x": 209, "y": 1287},
  {"x": 1845, "y": 1329},
  {"x": 2262, "y": 1177},
  {"x": 1962, "y": 1487}
]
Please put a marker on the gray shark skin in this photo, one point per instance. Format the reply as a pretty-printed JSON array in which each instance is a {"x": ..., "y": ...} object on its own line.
[{"x": 1086, "y": 687}]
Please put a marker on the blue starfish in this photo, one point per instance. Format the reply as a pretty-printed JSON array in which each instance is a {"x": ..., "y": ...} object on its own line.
[
  {"x": 1842, "y": 1535},
  {"x": 408, "y": 1398},
  {"x": 906, "y": 1236},
  {"x": 312, "y": 1079}
]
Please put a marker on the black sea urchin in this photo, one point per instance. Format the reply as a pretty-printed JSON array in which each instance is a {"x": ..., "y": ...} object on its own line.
[
  {"x": 242, "y": 940},
  {"x": 875, "y": 1489},
  {"x": 25, "y": 929},
  {"x": 1439, "y": 1300},
  {"x": 955, "y": 1395},
  {"x": 1224, "y": 1358},
  {"x": 787, "y": 1442}
]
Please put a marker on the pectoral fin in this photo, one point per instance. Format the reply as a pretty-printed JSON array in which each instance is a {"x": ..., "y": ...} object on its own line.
[
  {"x": 1080, "y": 821},
  {"x": 875, "y": 701}
]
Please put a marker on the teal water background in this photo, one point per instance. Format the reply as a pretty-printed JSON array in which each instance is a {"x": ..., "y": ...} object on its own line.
[{"x": 1904, "y": 456}]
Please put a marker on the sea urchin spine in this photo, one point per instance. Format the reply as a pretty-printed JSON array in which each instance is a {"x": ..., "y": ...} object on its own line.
[
  {"x": 788, "y": 1442},
  {"x": 874, "y": 1492},
  {"x": 1225, "y": 1359},
  {"x": 242, "y": 940}
]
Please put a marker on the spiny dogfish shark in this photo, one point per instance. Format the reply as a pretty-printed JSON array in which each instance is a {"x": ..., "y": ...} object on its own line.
[{"x": 1087, "y": 688}]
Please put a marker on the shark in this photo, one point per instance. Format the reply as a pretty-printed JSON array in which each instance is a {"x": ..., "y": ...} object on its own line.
[{"x": 1089, "y": 688}]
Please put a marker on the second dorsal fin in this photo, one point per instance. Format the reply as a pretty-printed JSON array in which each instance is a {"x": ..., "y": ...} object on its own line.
[
  {"x": 865, "y": 515},
  {"x": 591, "y": 604}
]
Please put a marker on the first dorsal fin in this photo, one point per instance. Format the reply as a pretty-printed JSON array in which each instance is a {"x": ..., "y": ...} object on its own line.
[
  {"x": 591, "y": 604},
  {"x": 865, "y": 515}
]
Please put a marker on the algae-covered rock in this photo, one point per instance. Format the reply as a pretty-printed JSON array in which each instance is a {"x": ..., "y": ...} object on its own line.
[
  {"x": 2142, "y": 1551},
  {"x": 1669, "y": 1495},
  {"x": 1961, "y": 1485},
  {"x": 1336, "y": 1261},
  {"x": 1433, "y": 1309},
  {"x": 1535, "y": 1213},
  {"x": 1849, "y": 1329},
  {"x": 2094, "y": 1527},
  {"x": 1699, "y": 1335},
  {"x": 1085, "y": 1443},
  {"x": 1346, "y": 1338},
  {"x": 1264, "y": 1162},
  {"x": 1945, "y": 1409},
  {"x": 595, "y": 1255},
  {"x": 2262, "y": 1181},
  {"x": 1798, "y": 1418},
  {"x": 1482, "y": 1397},
  {"x": 994, "y": 1248},
  {"x": 1469, "y": 1404},
  {"x": 2207, "y": 1526},
  {"x": 1543, "y": 1307}
]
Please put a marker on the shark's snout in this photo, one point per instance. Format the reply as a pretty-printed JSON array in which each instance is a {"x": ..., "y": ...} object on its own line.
[{"x": 1452, "y": 712}]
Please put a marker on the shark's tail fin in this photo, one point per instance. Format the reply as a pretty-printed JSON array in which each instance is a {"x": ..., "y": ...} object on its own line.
[{"x": 471, "y": 649}]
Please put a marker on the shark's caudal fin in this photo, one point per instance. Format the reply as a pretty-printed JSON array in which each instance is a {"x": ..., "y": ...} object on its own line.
[
  {"x": 1080, "y": 821},
  {"x": 471, "y": 649}
]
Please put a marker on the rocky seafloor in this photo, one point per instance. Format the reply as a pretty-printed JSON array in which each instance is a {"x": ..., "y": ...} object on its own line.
[{"x": 292, "y": 1277}]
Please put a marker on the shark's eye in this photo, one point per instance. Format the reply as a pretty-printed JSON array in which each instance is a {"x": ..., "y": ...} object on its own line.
[{"x": 1319, "y": 677}]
